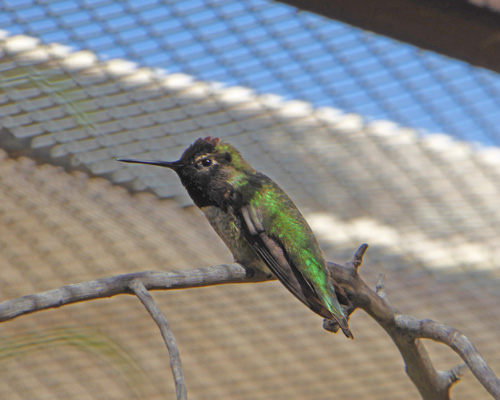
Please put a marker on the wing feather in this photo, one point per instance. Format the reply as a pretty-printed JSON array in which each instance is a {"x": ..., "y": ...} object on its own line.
[{"x": 274, "y": 256}]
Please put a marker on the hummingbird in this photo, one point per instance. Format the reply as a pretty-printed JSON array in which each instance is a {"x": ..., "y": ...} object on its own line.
[{"x": 257, "y": 221}]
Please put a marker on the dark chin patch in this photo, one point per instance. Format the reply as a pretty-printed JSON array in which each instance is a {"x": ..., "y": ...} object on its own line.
[
  {"x": 200, "y": 186},
  {"x": 197, "y": 188}
]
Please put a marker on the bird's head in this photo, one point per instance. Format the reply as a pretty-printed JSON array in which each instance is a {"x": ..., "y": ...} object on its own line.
[{"x": 206, "y": 168}]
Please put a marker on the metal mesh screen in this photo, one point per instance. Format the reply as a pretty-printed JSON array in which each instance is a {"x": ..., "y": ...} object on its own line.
[
  {"x": 272, "y": 48},
  {"x": 427, "y": 205}
]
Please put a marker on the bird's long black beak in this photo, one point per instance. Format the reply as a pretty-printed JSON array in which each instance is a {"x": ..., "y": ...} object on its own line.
[{"x": 168, "y": 164}]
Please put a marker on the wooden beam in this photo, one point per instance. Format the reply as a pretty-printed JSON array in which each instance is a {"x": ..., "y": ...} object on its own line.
[{"x": 455, "y": 28}]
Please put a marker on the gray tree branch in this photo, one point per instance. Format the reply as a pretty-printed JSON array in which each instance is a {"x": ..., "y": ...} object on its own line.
[
  {"x": 405, "y": 331},
  {"x": 168, "y": 336},
  {"x": 119, "y": 284}
]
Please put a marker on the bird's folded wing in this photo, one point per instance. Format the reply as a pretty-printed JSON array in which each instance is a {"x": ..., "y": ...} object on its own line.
[{"x": 271, "y": 251}]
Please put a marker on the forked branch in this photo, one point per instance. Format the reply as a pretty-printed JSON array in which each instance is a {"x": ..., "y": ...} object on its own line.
[{"x": 405, "y": 331}]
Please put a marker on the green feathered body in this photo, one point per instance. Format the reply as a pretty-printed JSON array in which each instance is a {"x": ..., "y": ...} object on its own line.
[{"x": 282, "y": 221}]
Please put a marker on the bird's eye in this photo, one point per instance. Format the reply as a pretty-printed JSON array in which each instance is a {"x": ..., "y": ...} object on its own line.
[{"x": 206, "y": 162}]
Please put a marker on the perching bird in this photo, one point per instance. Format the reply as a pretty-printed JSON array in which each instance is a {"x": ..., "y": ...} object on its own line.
[{"x": 257, "y": 221}]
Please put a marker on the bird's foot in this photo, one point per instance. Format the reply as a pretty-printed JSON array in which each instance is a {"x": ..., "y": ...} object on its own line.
[
  {"x": 331, "y": 325},
  {"x": 256, "y": 272}
]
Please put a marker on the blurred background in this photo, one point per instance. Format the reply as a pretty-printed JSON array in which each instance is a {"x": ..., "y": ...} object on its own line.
[{"x": 382, "y": 121}]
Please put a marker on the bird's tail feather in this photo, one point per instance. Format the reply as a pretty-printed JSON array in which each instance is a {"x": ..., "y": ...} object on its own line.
[
  {"x": 345, "y": 327},
  {"x": 336, "y": 322}
]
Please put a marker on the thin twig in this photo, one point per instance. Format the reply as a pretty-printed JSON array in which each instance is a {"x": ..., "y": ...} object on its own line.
[
  {"x": 168, "y": 336},
  {"x": 453, "y": 375},
  {"x": 357, "y": 260},
  {"x": 380, "y": 288}
]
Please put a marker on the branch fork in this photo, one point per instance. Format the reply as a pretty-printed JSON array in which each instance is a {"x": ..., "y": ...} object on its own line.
[{"x": 405, "y": 331}]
